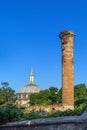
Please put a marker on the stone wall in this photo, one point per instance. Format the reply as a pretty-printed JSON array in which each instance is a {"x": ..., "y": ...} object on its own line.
[
  {"x": 56, "y": 123},
  {"x": 45, "y": 108}
]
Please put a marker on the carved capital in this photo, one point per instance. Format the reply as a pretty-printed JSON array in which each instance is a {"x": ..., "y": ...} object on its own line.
[{"x": 65, "y": 34}]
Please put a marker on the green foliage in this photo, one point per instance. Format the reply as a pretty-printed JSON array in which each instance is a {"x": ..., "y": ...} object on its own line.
[
  {"x": 10, "y": 113},
  {"x": 78, "y": 110},
  {"x": 80, "y": 91},
  {"x": 45, "y": 97},
  {"x": 41, "y": 98},
  {"x": 59, "y": 98},
  {"x": 5, "y": 84},
  {"x": 7, "y": 94},
  {"x": 32, "y": 115},
  {"x": 81, "y": 101},
  {"x": 53, "y": 95}
]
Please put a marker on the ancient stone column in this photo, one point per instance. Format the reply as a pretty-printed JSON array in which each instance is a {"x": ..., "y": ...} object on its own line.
[{"x": 67, "y": 38}]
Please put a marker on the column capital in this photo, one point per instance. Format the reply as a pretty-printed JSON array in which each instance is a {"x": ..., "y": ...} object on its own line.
[{"x": 65, "y": 34}]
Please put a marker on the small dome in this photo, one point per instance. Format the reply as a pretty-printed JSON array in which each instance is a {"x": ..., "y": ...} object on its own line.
[{"x": 30, "y": 88}]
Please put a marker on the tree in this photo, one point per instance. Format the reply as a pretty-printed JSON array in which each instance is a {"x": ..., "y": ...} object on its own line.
[
  {"x": 10, "y": 113},
  {"x": 45, "y": 97},
  {"x": 5, "y": 84},
  {"x": 41, "y": 98},
  {"x": 80, "y": 91},
  {"x": 53, "y": 94},
  {"x": 60, "y": 96},
  {"x": 7, "y": 94}
]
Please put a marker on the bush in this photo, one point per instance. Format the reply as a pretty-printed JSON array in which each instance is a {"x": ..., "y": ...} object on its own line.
[
  {"x": 10, "y": 113},
  {"x": 81, "y": 101},
  {"x": 32, "y": 115}
]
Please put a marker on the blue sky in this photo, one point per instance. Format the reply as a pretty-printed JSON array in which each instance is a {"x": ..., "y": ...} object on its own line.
[{"x": 29, "y": 38}]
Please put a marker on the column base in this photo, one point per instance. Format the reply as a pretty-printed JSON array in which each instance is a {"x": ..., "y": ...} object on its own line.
[{"x": 67, "y": 107}]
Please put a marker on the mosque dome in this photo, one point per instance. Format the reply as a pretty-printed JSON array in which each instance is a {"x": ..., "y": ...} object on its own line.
[
  {"x": 31, "y": 87},
  {"x": 23, "y": 96}
]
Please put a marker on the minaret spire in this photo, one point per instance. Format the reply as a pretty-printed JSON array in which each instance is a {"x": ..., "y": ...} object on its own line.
[{"x": 31, "y": 76}]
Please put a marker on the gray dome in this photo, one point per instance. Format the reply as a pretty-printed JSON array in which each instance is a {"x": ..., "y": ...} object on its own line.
[{"x": 30, "y": 88}]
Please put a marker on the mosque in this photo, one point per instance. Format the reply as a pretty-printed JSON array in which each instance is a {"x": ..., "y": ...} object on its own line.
[{"x": 24, "y": 94}]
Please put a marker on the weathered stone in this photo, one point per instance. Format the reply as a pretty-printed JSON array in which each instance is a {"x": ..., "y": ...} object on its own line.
[{"x": 67, "y": 38}]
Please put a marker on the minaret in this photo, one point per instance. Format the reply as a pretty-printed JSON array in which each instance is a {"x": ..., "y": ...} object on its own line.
[
  {"x": 67, "y": 38},
  {"x": 31, "y": 77}
]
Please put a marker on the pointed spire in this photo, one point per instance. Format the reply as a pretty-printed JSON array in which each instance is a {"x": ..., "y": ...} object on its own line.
[
  {"x": 31, "y": 76},
  {"x": 31, "y": 72}
]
